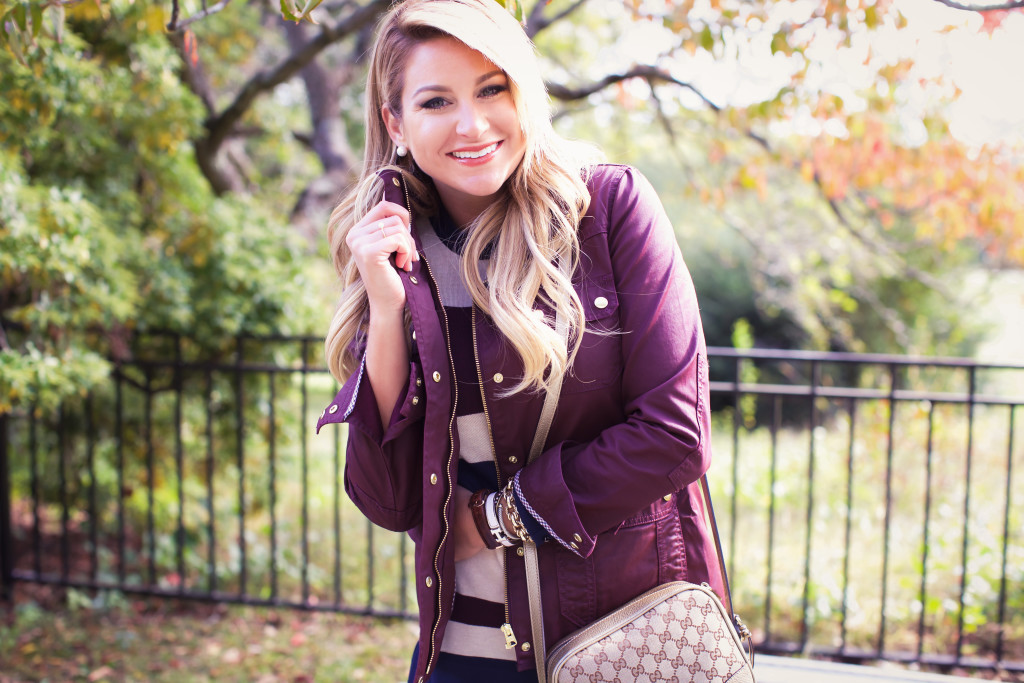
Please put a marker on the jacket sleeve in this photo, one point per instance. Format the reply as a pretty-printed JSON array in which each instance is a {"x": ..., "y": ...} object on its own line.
[
  {"x": 383, "y": 466},
  {"x": 578, "y": 490}
]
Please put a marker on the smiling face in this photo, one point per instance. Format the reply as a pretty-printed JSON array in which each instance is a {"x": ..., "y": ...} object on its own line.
[{"x": 460, "y": 124}]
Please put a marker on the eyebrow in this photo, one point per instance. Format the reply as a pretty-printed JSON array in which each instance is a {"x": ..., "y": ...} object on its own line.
[{"x": 442, "y": 88}]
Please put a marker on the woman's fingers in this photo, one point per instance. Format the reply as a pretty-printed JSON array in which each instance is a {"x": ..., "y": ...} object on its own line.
[
  {"x": 392, "y": 235},
  {"x": 383, "y": 232}
]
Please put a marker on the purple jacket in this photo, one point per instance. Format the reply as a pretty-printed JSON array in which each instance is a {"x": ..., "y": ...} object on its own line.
[{"x": 617, "y": 484}]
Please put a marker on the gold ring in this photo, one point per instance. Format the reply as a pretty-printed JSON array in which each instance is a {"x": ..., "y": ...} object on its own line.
[{"x": 380, "y": 224}]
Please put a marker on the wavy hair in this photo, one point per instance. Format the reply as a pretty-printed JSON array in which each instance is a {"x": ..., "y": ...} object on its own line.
[{"x": 531, "y": 227}]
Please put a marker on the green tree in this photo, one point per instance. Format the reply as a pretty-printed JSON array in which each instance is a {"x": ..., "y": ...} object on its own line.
[
  {"x": 107, "y": 226},
  {"x": 169, "y": 166}
]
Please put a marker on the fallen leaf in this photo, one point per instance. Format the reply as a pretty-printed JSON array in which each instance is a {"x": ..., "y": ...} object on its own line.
[{"x": 100, "y": 674}]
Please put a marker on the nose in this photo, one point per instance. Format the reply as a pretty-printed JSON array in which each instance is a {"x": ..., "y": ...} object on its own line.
[{"x": 472, "y": 121}]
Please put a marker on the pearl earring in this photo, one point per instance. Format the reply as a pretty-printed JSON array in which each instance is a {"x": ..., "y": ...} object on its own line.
[{"x": 401, "y": 151}]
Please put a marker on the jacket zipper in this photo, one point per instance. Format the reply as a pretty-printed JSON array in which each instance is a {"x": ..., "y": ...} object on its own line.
[
  {"x": 506, "y": 628},
  {"x": 448, "y": 462}
]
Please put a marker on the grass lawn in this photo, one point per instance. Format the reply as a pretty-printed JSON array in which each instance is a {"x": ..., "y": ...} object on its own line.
[{"x": 57, "y": 636}]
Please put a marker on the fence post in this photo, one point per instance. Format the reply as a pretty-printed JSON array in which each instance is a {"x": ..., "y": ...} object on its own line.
[{"x": 6, "y": 540}]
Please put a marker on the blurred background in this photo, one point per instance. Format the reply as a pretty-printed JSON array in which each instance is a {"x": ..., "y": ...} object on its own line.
[{"x": 844, "y": 176}]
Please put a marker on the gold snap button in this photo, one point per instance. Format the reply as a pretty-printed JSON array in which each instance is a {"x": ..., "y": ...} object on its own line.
[
  {"x": 436, "y": 376},
  {"x": 414, "y": 335},
  {"x": 667, "y": 498},
  {"x": 397, "y": 184},
  {"x": 526, "y": 647},
  {"x": 433, "y": 478},
  {"x": 430, "y": 582},
  {"x": 513, "y": 459},
  {"x": 412, "y": 279},
  {"x": 334, "y": 409},
  {"x": 601, "y": 302},
  {"x": 574, "y": 546},
  {"x": 520, "y": 552},
  {"x": 499, "y": 378},
  {"x": 419, "y": 381},
  {"x": 576, "y": 537},
  {"x": 415, "y": 400}
]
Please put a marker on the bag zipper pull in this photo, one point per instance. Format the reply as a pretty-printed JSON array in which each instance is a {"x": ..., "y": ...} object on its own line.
[{"x": 510, "y": 638}]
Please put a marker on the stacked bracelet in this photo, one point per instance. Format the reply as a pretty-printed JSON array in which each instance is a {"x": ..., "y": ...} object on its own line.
[
  {"x": 487, "y": 520},
  {"x": 478, "y": 506},
  {"x": 489, "y": 510},
  {"x": 495, "y": 521}
]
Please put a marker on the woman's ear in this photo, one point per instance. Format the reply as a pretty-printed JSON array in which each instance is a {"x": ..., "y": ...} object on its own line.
[{"x": 393, "y": 124}]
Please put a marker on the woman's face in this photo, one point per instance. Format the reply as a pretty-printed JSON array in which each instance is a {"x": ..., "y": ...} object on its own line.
[{"x": 459, "y": 123}]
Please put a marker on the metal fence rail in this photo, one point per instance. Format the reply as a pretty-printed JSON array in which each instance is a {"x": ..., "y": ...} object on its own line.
[{"x": 866, "y": 502}]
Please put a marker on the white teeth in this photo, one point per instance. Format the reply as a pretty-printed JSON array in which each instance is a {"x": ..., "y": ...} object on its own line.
[{"x": 476, "y": 155}]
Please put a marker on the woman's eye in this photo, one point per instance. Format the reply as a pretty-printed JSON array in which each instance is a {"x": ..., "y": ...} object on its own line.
[
  {"x": 433, "y": 103},
  {"x": 492, "y": 90}
]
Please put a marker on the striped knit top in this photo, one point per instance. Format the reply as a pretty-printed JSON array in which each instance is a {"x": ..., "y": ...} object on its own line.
[{"x": 479, "y": 610}]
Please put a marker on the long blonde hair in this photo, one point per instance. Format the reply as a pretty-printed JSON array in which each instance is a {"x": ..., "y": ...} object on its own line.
[{"x": 533, "y": 225}]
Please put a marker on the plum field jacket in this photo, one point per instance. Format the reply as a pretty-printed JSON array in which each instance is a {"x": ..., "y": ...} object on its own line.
[{"x": 617, "y": 484}]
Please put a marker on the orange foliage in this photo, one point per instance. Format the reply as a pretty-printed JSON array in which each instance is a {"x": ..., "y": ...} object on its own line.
[
  {"x": 948, "y": 193},
  {"x": 993, "y": 19}
]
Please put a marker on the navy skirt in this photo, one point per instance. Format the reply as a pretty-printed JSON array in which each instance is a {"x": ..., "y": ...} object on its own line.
[{"x": 459, "y": 669}]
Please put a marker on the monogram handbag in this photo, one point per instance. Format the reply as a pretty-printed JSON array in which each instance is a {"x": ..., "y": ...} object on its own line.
[{"x": 677, "y": 631}]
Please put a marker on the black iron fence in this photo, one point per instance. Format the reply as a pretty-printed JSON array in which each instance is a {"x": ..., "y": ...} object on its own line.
[{"x": 867, "y": 503}]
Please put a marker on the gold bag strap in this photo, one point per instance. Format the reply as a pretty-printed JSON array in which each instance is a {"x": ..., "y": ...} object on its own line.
[
  {"x": 547, "y": 415},
  {"x": 533, "y": 566}
]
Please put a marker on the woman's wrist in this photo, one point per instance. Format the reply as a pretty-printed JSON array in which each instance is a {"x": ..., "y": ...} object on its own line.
[{"x": 478, "y": 508}]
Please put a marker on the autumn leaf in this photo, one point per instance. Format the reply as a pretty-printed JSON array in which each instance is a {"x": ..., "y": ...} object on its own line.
[
  {"x": 100, "y": 674},
  {"x": 191, "y": 48},
  {"x": 992, "y": 19}
]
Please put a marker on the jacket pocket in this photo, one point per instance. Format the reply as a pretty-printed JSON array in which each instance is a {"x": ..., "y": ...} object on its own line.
[
  {"x": 598, "y": 362},
  {"x": 576, "y": 588}
]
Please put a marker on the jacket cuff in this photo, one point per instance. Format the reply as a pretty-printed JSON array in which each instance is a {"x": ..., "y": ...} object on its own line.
[
  {"x": 356, "y": 404},
  {"x": 533, "y": 526},
  {"x": 548, "y": 499}
]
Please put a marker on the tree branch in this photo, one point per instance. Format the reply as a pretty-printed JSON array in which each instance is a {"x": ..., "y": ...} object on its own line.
[
  {"x": 666, "y": 123},
  {"x": 193, "y": 73},
  {"x": 1011, "y": 4},
  {"x": 537, "y": 22},
  {"x": 220, "y": 126},
  {"x": 174, "y": 25},
  {"x": 651, "y": 74}
]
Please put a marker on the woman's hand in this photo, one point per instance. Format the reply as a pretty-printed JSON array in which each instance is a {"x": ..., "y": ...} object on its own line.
[
  {"x": 382, "y": 232},
  {"x": 467, "y": 539}
]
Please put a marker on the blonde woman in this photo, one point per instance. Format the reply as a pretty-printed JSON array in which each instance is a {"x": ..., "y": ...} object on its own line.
[{"x": 449, "y": 249}]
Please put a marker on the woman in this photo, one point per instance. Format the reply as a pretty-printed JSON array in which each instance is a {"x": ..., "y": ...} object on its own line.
[{"x": 449, "y": 250}]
